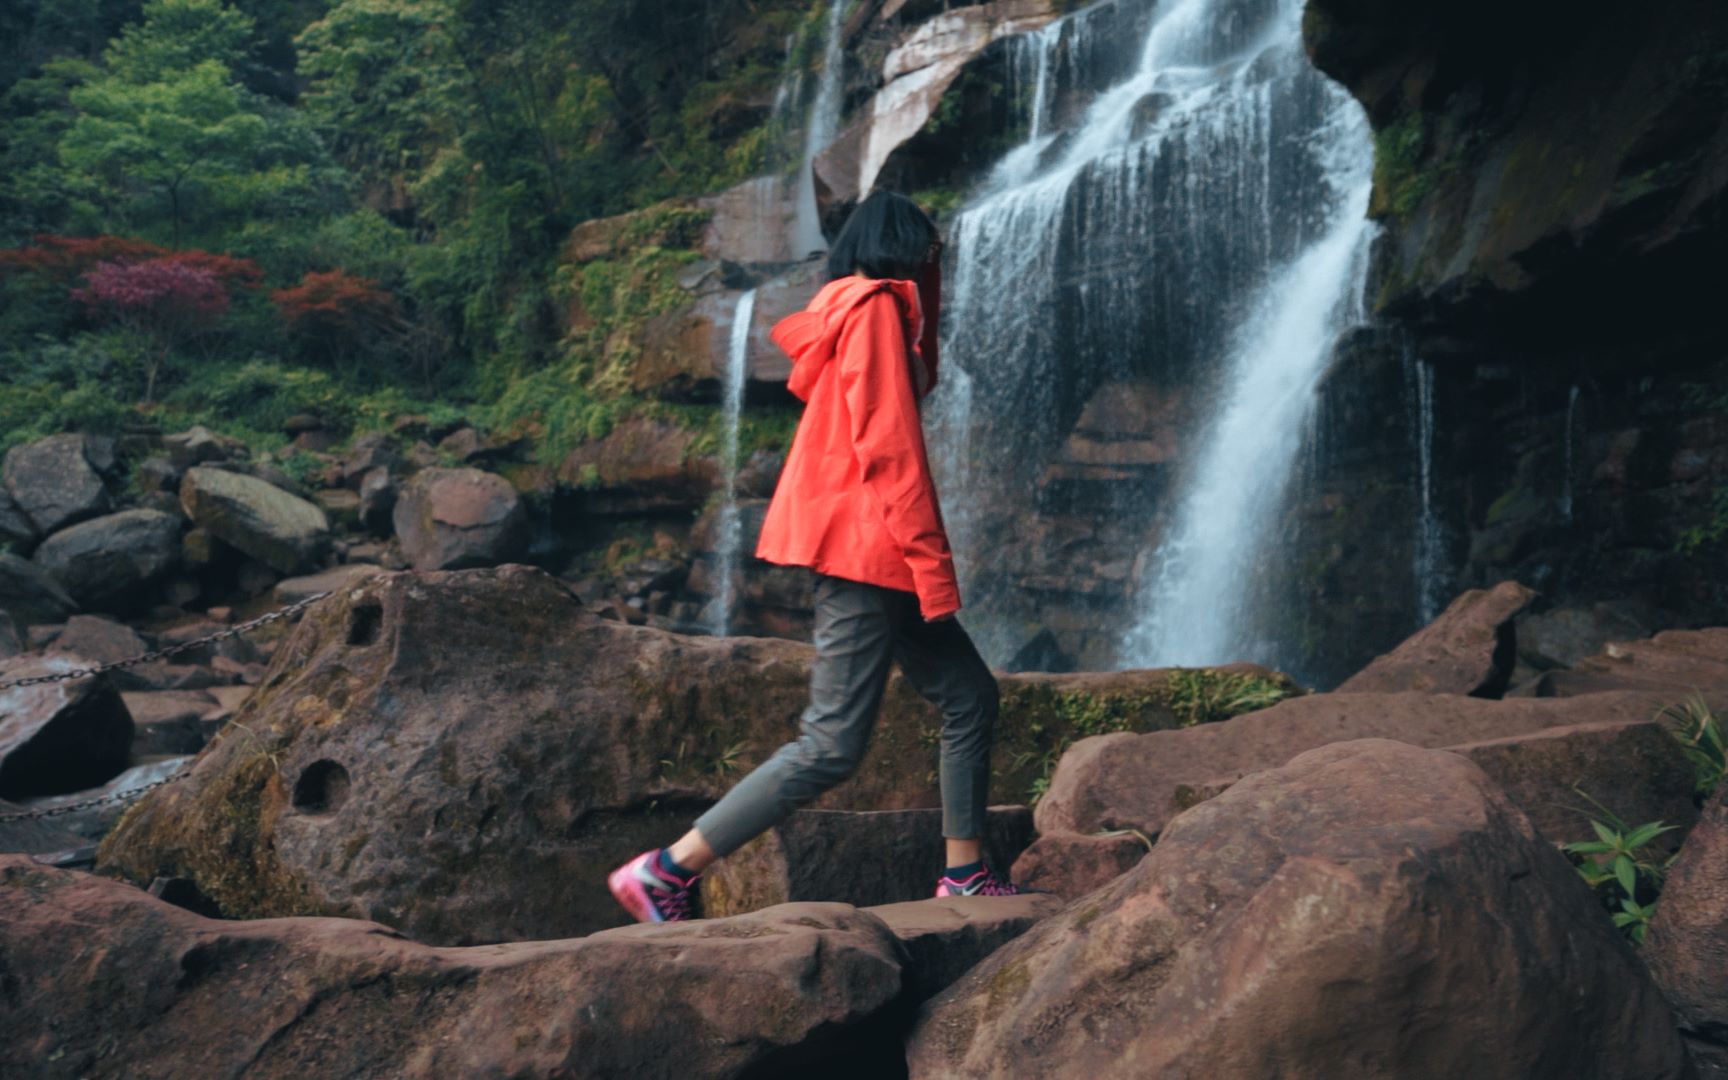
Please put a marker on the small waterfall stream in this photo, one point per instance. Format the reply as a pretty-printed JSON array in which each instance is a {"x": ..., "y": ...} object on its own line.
[
  {"x": 730, "y": 528},
  {"x": 1566, "y": 478},
  {"x": 1428, "y": 563},
  {"x": 819, "y": 129}
]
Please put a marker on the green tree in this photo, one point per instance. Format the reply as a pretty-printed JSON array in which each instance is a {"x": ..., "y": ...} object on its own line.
[
  {"x": 166, "y": 132},
  {"x": 177, "y": 35}
]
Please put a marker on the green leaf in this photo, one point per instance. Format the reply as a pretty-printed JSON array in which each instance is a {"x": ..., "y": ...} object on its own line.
[
  {"x": 1626, "y": 874},
  {"x": 1643, "y": 834}
]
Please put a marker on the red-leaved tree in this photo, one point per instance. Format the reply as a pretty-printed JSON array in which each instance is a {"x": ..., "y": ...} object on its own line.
[
  {"x": 65, "y": 259},
  {"x": 166, "y": 299},
  {"x": 337, "y": 309}
]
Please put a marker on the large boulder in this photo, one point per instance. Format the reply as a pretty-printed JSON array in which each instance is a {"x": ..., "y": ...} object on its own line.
[
  {"x": 15, "y": 525},
  {"x": 862, "y": 857},
  {"x": 57, "y": 481},
  {"x": 1470, "y": 649},
  {"x": 273, "y": 526},
  {"x": 1142, "y": 781},
  {"x": 162, "y": 991},
  {"x": 1634, "y": 768},
  {"x": 110, "y": 563},
  {"x": 59, "y": 736},
  {"x": 464, "y": 754},
  {"x": 1674, "y": 663},
  {"x": 1369, "y": 909},
  {"x": 30, "y": 595},
  {"x": 946, "y": 938},
  {"x": 450, "y": 519},
  {"x": 1072, "y": 864},
  {"x": 1686, "y": 945}
]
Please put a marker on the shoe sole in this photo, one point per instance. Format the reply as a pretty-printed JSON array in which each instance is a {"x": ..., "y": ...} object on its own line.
[{"x": 632, "y": 900}]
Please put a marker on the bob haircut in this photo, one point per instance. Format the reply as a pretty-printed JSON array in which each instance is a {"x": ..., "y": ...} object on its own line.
[{"x": 887, "y": 236}]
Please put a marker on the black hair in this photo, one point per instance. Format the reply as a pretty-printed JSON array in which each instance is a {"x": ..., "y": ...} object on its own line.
[{"x": 887, "y": 236}]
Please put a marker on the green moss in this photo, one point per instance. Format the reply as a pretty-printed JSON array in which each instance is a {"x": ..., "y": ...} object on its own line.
[
  {"x": 1398, "y": 149},
  {"x": 1038, "y": 722}
]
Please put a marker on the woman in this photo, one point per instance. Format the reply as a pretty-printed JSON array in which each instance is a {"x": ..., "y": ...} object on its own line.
[{"x": 856, "y": 504}]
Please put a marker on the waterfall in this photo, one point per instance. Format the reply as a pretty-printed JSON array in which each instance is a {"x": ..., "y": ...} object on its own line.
[
  {"x": 819, "y": 131},
  {"x": 1429, "y": 558},
  {"x": 1566, "y": 488},
  {"x": 730, "y": 528},
  {"x": 1198, "y": 226},
  {"x": 1203, "y": 575}
]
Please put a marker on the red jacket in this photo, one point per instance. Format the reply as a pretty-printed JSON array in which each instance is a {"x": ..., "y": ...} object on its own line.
[{"x": 855, "y": 498}]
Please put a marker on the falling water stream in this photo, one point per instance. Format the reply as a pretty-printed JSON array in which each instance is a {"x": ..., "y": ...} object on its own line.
[
  {"x": 819, "y": 129},
  {"x": 1198, "y": 225},
  {"x": 1427, "y": 567},
  {"x": 730, "y": 528}
]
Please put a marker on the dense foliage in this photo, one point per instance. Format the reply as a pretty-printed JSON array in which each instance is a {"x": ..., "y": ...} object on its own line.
[{"x": 366, "y": 195}]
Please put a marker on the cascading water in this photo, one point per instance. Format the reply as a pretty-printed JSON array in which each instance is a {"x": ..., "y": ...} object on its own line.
[
  {"x": 1566, "y": 479},
  {"x": 730, "y": 528},
  {"x": 1199, "y": 225},
  {"x": 1428, "y": 563},
  {"x": 819, "y": 129}
]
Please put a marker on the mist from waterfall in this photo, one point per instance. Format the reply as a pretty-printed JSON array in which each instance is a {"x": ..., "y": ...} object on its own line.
[{"x": 1197, "y": 225}]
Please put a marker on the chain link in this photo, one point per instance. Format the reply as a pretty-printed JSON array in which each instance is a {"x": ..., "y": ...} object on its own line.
[
  {"x": 143, "y": 658},
  {"x": 85, "y": 804},
  {"x": 171, "y": 650}
]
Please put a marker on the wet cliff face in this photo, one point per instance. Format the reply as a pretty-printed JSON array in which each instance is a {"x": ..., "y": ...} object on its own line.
[
  {"x": 1537, "y": 392},
  {"x": 1550, "y": 186}
]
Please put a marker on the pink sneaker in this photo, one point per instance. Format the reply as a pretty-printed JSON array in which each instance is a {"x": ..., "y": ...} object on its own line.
[
  {"x": 983, "y": 883},
  {"x": 650, "y": 894}
]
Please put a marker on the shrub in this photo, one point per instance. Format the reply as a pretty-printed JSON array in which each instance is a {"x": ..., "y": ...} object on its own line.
[{"x": 168, "y": 300}]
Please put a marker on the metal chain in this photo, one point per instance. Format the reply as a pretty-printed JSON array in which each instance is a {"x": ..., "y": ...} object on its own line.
[
  {"x": 85, "y": 804},
  {"x": 171, "y": 650},
  {"x": 155, "y": 654}
]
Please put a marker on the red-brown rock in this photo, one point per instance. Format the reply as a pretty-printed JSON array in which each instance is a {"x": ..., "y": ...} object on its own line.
[
  {"x": 1633, "y": 767},
  {"x": 1142, "y": 781},
  {"x": 1674, "y": 664},
  {"x": 1687, "y": 943},
  {"x": 1470, "y": 649},
  {"x": 449, "y": 519},
  {"x": 1072, "y": 865},
  {"x": 1369, "y": 909},
  {"x": 162, "y": 992},
  {"x": 946, "y": 938},
  {"x": 465, "y": 754}
]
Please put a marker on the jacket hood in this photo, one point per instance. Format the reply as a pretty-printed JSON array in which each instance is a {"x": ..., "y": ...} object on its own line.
[{"x": 811, "y": 337}]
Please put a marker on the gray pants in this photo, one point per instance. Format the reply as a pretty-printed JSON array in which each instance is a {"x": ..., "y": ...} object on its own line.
[{"x": 859, "y": 629}]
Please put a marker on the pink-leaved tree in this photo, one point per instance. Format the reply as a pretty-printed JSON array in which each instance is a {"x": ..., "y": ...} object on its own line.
[{"x": 167, "y": 300}]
